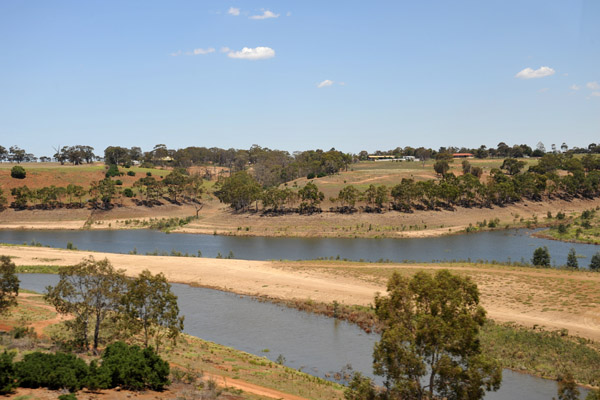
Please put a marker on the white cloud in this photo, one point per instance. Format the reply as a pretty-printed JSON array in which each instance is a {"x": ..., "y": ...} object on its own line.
[
  {"x": 593, "y": 85},
  {"x": 265, "y": 15},
  {"x": 257, "y": 53},
  {"x": 197, "y": 52},
  {"x": 233, "y": 11},
  {"x": 529, "y": 73},
  {"x": 575, "y": 87},
  {"x": 325, "y": 83},
  {"x": 225, "y": 49}
]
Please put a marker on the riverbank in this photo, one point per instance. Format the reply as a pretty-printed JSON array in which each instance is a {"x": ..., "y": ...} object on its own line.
[
  {"x": 239, "y": 375},
  {"x": 550, "y": 298},
  {"x": 215, "y": 218}
]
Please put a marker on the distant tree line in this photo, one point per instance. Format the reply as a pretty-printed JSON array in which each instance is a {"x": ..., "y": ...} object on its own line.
[
  {"x": 270, "y": 167},
  {"x": 505, "y": 185}
]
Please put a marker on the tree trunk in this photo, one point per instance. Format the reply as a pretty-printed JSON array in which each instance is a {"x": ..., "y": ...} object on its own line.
[{"x": 97, "y": 331}]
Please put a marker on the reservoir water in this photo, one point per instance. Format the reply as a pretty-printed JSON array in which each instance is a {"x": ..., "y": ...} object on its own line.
[
  {"x": 317, "y": 344},
  {"x": 502, "y": 245}
]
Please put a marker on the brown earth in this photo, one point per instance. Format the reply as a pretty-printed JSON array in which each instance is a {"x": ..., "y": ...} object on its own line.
[{"x": 555, "y": 299}]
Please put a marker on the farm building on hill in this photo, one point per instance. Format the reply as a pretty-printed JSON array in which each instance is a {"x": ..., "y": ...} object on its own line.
[{"x": 462, "y": 155}]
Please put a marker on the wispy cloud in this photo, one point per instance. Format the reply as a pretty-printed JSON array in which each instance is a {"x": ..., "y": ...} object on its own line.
[
  {"x": 225, "y": 49},
  {"x": 195, "y": 52},
  {"x": 325, "y": 83},
  {"x": 256, "y": 53},
  {"x": 575, "y": 87},
  {"x": 595, "y": 94},
  {"x": 529, "y": 73},
  {"x": 593, "y": 85},
  {"x": 265, "y": 15},
  {"x": 233, "y": 11}
]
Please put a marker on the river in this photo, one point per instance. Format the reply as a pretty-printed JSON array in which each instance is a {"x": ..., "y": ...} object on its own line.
[
  {"x": 317, "y": 344},
  {"x": 502, "y": 245}
]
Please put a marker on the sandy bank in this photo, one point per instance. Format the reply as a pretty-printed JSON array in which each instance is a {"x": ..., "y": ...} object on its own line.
[{"x": 554, "y": 299}]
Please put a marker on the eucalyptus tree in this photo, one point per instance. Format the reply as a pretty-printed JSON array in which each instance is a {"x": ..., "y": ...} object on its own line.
[
  {"x": 429, "y": 347},
  {"x": 150, "y": 307},
  {"x": 89, "y": 291}
]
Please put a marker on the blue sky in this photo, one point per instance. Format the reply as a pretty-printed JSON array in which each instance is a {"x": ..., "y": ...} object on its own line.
[{"x": 295, "y": 75}]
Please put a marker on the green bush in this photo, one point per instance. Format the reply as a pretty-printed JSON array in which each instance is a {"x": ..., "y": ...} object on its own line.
[
  {"x": 148, "y": 173},
  {"x": 68, "y": 396},
  {"x": 113, "y": 170},
  {"x": 311, "y": 175},
  {"x": 98, "y": 377},
  {"x": 131, "y": 173},
  {"x": 541, "y": 257},
  {"x": 54, "y": 371},
  {"x": 133, "y": 368},
  {"x": 119, "y": 182},
  {"x": 18, "y": 172},
  {"x": 127, "y": 192},
  {"x": 7, "y": 373}
]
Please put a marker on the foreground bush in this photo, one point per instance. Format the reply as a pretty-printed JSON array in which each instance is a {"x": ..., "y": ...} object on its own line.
[
  {"x": 54, "y": 371},
  {"x": 7, "y": 373},
  {"x": 135, "y": 369},
  {"x": 129, "y": 367}
]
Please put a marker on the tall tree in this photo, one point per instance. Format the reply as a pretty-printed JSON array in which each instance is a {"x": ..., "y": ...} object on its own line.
[
  {"x": 151, "y": 307},
  {"x": 89, "y": 291},
  {"x": 9, "y": 284},
  {"x": 239, "y": 190},
  {"x": 429, "y": 345}
]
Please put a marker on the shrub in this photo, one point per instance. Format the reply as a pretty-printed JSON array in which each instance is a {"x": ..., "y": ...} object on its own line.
[
  {"x": 562, "y": 229},
  {"x": 541, "y": 257},
  {"x": 18, "y": 172},
  {"x": 127, "y": 192},
  {"x": 7, "y": 373},
  {"x": 311, "y": 176},
  {"x": 560, "y": 215},
  {"x": 133, "y": 368},
  {"x": 148, "y": 173},
  {"x": 54, "y": 371},
  {"x": 119, "y": 182},
  {"x": 98, "y": 377},
  {"x": 595, "y": 262},
  {"x": 68, "y": 396},
  {"x": 113, "y": 170},
  {"x": 131, "y": 173}
]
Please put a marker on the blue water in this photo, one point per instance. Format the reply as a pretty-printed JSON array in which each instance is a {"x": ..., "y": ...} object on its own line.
[{"x": 504, "y": 245}]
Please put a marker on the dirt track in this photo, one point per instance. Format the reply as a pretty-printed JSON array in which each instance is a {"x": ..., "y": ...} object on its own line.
[{"x": 552, "y": 298}]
